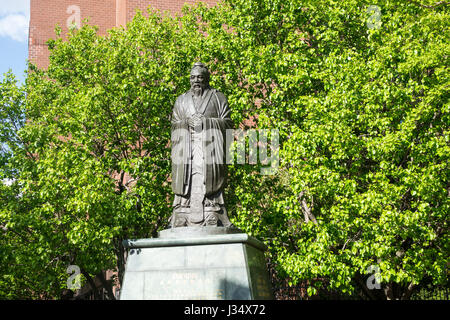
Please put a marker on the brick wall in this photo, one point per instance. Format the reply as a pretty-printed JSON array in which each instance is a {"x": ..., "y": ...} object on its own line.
[
  {"x": 173, "y": 6},
  {"x": 46, "y": 14}
]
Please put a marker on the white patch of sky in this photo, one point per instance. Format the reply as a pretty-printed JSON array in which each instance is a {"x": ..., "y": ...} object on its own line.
[{"x": 14, "y": 23}]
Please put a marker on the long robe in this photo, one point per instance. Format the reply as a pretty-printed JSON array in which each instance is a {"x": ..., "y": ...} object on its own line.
[{"x": 214, "y": 106}]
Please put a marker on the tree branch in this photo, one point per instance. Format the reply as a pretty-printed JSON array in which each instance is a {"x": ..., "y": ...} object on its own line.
[{"x": 307, "y": 213}]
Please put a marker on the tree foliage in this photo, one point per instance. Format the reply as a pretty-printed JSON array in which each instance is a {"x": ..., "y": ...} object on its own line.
[{"x": 362, "y": 110}]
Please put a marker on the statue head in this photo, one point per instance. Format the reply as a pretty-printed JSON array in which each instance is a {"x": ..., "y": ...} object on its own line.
[{"x": 199, "y": 77}]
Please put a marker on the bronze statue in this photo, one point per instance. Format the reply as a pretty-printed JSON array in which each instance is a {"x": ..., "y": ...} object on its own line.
[{"x": 199, "y": 121}]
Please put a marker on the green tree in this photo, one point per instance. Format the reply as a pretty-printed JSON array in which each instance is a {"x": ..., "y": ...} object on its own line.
[{"x": 357, "y": 92}]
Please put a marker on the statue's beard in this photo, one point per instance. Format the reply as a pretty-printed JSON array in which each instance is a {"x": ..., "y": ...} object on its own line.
[{"x": 198, "y": 91}]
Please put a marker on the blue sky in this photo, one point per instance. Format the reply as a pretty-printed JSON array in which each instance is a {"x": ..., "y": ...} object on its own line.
[{"x": 14, "y": 20}]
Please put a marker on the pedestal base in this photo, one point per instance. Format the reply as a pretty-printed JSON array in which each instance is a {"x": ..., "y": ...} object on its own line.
[{"x": 193, "y": 264}]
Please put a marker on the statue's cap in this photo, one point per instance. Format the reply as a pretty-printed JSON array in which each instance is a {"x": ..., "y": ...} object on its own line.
[{"x": 200, "y": 65}]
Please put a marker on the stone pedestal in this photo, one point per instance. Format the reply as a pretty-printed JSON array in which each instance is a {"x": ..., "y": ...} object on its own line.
[{"x": 196, "y": 263}]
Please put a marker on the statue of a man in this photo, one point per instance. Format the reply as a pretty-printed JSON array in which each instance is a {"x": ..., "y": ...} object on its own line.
[{"x": 199, "y": 121}]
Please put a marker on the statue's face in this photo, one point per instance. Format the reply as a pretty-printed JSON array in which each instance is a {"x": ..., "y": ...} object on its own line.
[{"x": 199, "y": 79}]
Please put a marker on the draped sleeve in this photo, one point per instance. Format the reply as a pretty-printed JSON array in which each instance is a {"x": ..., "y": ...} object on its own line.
[
  {"x": 181, "y": 157},
  {"x": 214, "y": 143}
]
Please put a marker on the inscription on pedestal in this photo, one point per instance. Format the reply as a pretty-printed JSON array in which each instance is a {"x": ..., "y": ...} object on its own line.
[{"x": 188, "y": 284}]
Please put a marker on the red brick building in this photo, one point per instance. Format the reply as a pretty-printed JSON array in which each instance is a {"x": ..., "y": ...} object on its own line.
[{"x": 106, "y": 14}]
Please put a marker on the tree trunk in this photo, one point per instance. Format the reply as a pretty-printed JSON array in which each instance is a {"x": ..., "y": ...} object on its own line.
[
  {"x": 120, "y": 252},
  {"x": 408, "y": 292},
  {"x": 364, "y": 288},
  {"x": 107, "y": 285},
  {"x": 91, "y": 283},
  {"x": 389, "y": 291}
]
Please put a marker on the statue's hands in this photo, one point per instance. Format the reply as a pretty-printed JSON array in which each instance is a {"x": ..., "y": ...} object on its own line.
[{"x": 196, "y": 120}]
